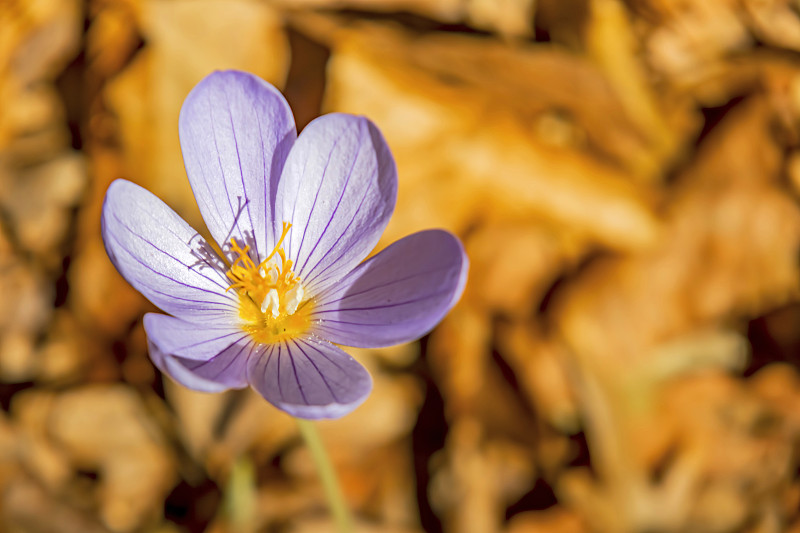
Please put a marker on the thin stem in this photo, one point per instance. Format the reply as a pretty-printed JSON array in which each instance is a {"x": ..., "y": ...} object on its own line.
[
  {"x": 240, "y": 496},
  {"x": 327, "y": 476}
]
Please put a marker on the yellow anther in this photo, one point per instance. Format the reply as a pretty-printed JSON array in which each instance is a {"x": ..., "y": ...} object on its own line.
[{"x": 271, "y": 297}]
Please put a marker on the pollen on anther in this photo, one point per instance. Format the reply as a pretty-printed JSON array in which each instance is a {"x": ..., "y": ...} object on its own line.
[
  {"x": 270, "y": 292},
  {"x": 271, "y": 303}
]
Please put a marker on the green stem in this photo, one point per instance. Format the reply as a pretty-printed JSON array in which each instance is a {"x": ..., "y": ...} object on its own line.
[
  {"x": 327, "y": 476},
  {"x": 240, "y": 496}
]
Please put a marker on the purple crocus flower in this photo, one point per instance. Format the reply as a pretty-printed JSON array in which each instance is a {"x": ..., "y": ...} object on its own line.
[{"x": 293, "y": 219}]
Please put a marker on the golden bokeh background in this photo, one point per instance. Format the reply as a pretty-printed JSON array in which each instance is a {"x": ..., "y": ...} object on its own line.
[{"x": 625, "y": 177}]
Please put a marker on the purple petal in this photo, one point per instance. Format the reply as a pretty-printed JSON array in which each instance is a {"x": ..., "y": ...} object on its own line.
[
  {"x": 396, "y": 296},
  {"x": 163, "y": 257},
  {"x": 310, "y": 378},
  {"x": 338, "y": 189},
  {"x": 196, "y": 356},
  {"x": 236, "y": 131}
]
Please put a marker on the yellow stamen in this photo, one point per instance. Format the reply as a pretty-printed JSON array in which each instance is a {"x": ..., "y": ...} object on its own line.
[{"x": 271, "y": 296}]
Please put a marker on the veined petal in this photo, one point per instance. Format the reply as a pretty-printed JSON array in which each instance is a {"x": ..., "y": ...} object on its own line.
[
  {"x": 396, "y": 296},
  {"x": 163, "y": 257},
  {"x": 309, "y": 378},
  {"x": 196, "y": 356},
  {"x": 338, "y": 189},
  {"x": 236, "y": 131}
]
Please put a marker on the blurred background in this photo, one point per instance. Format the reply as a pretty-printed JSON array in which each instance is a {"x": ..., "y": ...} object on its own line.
[{"x": 625, "y": 177}]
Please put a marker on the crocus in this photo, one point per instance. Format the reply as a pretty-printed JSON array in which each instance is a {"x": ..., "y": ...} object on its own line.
[{"x": 283, "y": 281}]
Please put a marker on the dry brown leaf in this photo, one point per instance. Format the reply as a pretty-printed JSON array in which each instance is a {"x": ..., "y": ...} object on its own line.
[
  {"x": 554, "y": 520},
  {"x": 378, "y": 482},
  {"x": 41, "y": 180},
  {"x": 755, "y": 465},
  {"x": 316, "y": 525},
  {"x": 509, "y": 18},
  {"x": 459, "y": 358},
  {"x": 728, "y": 248},
  {"x": 542, "y": 367},
  {"x": 611, "y": 42},
  {"x": 475, "y": 478},
  {"x": 774, "y": 21},
  {"x": 689, "y": 39},
  {"x": 255, "y": 425},
  {"x": 105, "y": 428},
  {"x": 25, "y": 286},
  {"x": 38, "y": 40},
  {"x": 32, "y": 509},
  {"x": 51, "y": 190},
  {"x": 459, "y": 125},
  {"x": 46, "y": 462},
  {"x": 513, "y": 265},
  {"x": 658, "y": 459},
  {"x": 112, "y": 38},
  {"x": 197, "y": 416}
]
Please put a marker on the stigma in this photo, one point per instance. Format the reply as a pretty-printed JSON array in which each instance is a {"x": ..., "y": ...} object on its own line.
[{"x": 272, "y": 300}]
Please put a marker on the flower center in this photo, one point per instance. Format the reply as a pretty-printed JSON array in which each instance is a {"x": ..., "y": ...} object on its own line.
[{"x": 271, "y": 297}]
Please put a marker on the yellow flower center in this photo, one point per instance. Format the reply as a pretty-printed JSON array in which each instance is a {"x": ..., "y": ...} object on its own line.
[{"x": 272, "y": 302}]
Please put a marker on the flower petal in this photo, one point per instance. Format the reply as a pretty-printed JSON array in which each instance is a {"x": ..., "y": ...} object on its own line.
[
  {"x": 163, "y": 257},
  {"x": 196, "y": 356},
  {"x": 338, "y": 189},
  {"x": 236, "y": 131},
  {"x": 310, "y": 378},
  {"x": 396, "y": 296}
]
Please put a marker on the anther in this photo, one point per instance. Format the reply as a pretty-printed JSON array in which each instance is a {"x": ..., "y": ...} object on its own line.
[
  {"x": 271, "y": 285},
  {"x": 293, "y": 298},
  {"x": 271, "y": 303}
]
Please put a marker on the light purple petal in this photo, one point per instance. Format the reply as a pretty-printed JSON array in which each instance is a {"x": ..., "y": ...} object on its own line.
[
  {"x": 198, "y": 357},
  {"x": 310, "y": 378},
  {"x": 338, "y": 189},
  {"x": 163, "y": 257},
  {"x": 396, "y": 296},
  {"x": 236, "y": 131}
]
